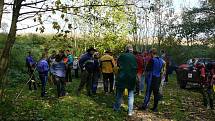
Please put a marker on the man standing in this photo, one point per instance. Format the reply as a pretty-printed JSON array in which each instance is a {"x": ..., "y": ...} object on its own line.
[
  {"x": 107, "y": 65},
  {"x": 126, "y": 78},
  {"x": 43, "y": 68},
  {"x": 58, "y": 69},
  {"x": 69, "y": 65},
  {"x": 155, "y": 66},
  {"x": 30, "y": 63},
  {"x": 86, "y": 64}
]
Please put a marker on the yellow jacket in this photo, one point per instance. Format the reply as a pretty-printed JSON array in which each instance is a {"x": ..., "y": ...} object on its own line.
[{"x": 107, "y": 63}]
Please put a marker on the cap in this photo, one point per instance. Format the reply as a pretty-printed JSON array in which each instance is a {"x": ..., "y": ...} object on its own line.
[{"x": 91, "y": 49}]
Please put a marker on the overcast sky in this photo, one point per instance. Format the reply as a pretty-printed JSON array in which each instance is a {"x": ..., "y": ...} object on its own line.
[{"x": 7, "y": 17}]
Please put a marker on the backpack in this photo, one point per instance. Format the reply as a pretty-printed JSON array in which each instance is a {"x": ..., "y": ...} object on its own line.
[{"x": 42, "y": 66}]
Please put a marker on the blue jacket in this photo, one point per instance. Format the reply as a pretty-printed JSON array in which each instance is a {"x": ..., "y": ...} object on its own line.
[
  {"x": 29, "y": 61},
  {"x": 87, "y": 62},
  {"x": 58, "y": 69},
  {"x": 157, "y": 66},
  {"x": 43, "y": 67},
  {"x": 70, "y": 59}
]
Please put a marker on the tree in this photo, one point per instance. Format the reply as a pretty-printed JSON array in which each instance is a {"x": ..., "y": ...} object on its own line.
[
  {"x": 11, "y": 37},
  {"x": 198, "y": 21},
  {"x": 37, "y": 7},
  {"x": 1, "y": 10}
]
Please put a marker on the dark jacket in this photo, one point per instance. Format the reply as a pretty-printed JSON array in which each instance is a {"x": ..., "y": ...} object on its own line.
[
  {"x": 86, "y": 62},
  {"x": 126, "y": 77}
]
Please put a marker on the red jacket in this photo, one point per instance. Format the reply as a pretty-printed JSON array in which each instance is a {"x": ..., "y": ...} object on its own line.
[{"x": 140, "y": 63}]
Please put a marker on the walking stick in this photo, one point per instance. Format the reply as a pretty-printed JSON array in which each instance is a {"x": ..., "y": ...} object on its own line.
[{"x": 25, "y": 84}]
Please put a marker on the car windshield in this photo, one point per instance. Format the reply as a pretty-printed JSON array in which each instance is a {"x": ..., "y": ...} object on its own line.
[
  {"x": 199, "y": 61},
  {"x": 189, "y": 62},
  {"x": 204, "y": 61}
]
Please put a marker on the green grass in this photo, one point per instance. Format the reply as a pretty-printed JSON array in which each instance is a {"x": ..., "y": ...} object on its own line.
[{"x": 177, "y": 105}]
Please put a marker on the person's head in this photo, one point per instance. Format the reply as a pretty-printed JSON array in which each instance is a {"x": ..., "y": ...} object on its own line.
[
  {"x": 108, "y": 51},
  {"x": 145, "y": 53},
  {"x": 43, "y": 56},
  {"x": 96, "y": 55},
  {"x": 29, "y": 52},
  {"x": 91, "y": 50},
  {"x": 153, "y": 52},
  {"x": 61, "y": 53},
  {"x": 193, "y": 60},
  {"x": 129, "y": 48},
  {"x": 68, "y": 52},
  {"x": 53, "y": 52},
  {"x": 162, "y": 52},
  {"x": 58, "y": 58}
]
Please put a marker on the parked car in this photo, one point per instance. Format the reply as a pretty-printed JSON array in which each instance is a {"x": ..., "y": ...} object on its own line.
[{"x": 189, "y": 72}]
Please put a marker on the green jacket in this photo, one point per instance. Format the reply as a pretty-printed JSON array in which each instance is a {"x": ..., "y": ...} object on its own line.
[{"x": 126, "y": 77}]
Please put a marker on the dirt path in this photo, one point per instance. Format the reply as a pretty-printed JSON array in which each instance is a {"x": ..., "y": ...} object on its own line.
[{"x": 146, "y": 116}]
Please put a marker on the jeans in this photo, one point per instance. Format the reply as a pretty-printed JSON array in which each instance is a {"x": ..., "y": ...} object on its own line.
[
  {"x": 148, "y": 79},
  {"x": 155, "y": 84},
  {"x": 119, "y": 95},
  {"x": 60, "y": 83},
  {"x": 76, "y": 73},
  {"x": 142, "y": 83},
  {"x": 108, "y": 78},
  {"x": 43, "y": 79},
  {"x": 139, "y": 83},
  {"x": 95, "y": 80}
]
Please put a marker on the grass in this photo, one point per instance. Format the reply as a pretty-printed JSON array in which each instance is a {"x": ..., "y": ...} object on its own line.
[{"x": 177, "y": 105}]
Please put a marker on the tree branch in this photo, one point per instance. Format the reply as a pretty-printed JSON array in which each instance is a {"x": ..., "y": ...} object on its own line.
[
  {"x": 50, "y": 9},
  {"x": 8, "y": 3},
  {"x": 1, "y": 10},
  {"x": 27, "y": 17},
  {"x": 28, "y": 27},
  {"x": 40, "y": 8},
  {"x": 34, "y": 3}
]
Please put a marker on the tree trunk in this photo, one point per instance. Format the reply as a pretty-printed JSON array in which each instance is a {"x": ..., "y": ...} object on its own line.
[
  {"x": 4, "y": 60},
  {"x": 1, "y": 10}
]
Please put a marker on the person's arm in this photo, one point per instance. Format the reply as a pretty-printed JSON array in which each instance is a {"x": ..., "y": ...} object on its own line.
[
  {"x": 82, "y": 60},
  {"x": 113, "y": 62}
]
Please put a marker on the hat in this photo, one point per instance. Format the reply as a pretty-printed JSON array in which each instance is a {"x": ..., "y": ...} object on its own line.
[
  {"x": 91, "y": 49},
  {"x": 108, "y": 51},
  {"x": 153, "y": 51}
]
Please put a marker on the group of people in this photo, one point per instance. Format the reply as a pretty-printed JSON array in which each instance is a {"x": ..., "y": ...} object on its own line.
[
  {"x": 58, "y": 67},
  {"x": 127, "y": 71},
  {"x": 131, "y": 71}
]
